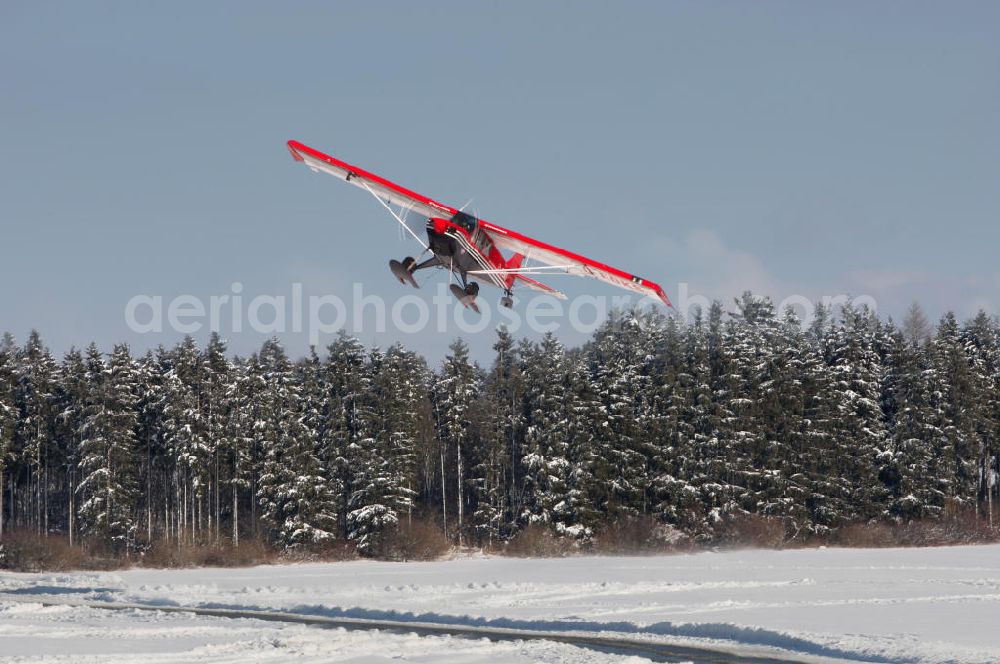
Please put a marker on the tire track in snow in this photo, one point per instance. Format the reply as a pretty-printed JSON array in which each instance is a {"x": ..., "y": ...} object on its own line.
[{"x": 657, "y": 651}]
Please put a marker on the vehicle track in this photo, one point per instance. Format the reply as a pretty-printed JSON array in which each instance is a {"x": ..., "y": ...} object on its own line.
[{"x": 655, "y": 650}]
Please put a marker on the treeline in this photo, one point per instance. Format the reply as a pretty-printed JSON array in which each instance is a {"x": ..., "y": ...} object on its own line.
[{"x": 853, "y": 420}]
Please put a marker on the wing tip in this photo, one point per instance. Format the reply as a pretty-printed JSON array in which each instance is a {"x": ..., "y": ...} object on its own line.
[
  {"x": 660, "y": 293},
  {"x": 293, "y": 147}
]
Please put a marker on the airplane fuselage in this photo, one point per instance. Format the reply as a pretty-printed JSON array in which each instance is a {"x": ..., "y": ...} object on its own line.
[{"x": 459, "y": 245}]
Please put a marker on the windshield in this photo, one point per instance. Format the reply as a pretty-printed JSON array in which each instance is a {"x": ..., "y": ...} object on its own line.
[{"x": 466, "y": 221}]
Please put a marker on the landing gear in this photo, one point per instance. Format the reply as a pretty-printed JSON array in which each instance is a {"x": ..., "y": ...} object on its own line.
[
  {"x": 507, "y": 300},
  {"x": 467, "y": 295},
  {"x": 404, "y": 271}
]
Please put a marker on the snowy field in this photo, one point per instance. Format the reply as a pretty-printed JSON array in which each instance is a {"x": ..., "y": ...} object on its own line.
[{"x": 884, "y": 605}]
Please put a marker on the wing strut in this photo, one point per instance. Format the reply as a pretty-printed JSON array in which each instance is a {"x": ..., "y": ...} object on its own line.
[
  {"x": 402, "y": 222},
  {"x": 536, "y": 269}
]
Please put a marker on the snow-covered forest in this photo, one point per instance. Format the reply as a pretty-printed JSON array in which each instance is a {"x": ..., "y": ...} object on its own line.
[{"x": 852, "y": 420}]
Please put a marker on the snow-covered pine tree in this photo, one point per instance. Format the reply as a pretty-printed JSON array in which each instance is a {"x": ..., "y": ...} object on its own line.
[
  {"x": 295, "y": 496},
  {"x": 954, "y": 394},
  {"x": 246, "y": 397},
  {"x": 858, "y": 423},
  {"x": 790, "y": 394},
  {"x": 349, "y": 419},
  {"x": 455, "y": 391},
  {"x": 757, "y": 374},
  {"x": 713, "y": 422},
  {"x": 71, "y": 404},
  {"x": 151, "y": 454},
  {"x": 575, "y": 515},
  {"x": 402, "y": 383},
  {"x": 669, "y": 426},
  {"x": 909, "y": 473},
  {"x": 678, "y": 425},
  {"x": 546, "y": 468},
  {"x": 107, "y": 489},
  {"x": 37, "y": 375},
  {"x": 217, "y": 377},
  {"x": 8, "y": 417},
  {"x": 982, "y": 347},
  {"x": 500, "y": 423},
  {"x": 382, "y": 465},
  {"x": 617, "y": 358},
  {"x": 184, "y": 427}
]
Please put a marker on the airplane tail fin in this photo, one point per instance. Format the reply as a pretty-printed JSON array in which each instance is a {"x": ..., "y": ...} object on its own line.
[{"x": 515, "y": 261}]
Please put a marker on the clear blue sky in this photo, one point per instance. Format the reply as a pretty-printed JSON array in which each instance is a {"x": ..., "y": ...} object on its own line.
[{"x": 784, "y": 147}]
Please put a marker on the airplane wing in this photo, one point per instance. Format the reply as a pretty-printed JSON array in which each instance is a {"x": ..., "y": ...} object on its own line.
[
  {"x": 556, "y": 259},
  {"x": 567, "y": 261},
  {"x": 377, "y": 186}
]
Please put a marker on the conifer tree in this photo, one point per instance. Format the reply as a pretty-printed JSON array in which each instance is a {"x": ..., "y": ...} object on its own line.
[
  {"x": 37, "y": 377},
  {"x": 982, "y": 348},
  {"x": 8, "y": 418},
  {"x": 71, "y": 404},
  {"x": 954, "y": 396},
  {"x": 184, "y": 426},
  {"x": 216, "y": 372},
  {"x": 909, "y": 474},
  {"x": 295, "y": 497},
  {"x": 500, "y": 423},
  {"x": 616, "y": 361},
  {"x": 350, "y": 419},
  {"x": 376, "y": 492},
  {"x": 455, "y": 392},
  {"x": 107, "y": 488},
  {"x": 546, "y": 437}
]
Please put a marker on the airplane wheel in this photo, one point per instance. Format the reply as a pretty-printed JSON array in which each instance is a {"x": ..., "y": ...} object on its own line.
[
  {"x": 507, "y": 301},
  {"x": 399, "y": 271},
  {"x": 472, "y": 289},
  {"x": 408, "y": 263}
]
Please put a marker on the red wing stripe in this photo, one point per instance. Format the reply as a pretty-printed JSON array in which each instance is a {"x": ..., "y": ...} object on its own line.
[{"x": 297, "y": 149}]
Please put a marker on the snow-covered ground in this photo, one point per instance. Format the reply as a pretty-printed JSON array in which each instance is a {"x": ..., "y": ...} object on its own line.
[{"x": 887, "y": 605}]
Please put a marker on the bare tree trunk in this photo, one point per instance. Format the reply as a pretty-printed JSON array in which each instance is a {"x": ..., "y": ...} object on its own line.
[
  {"x": 989, "y": 491},
  {"x": 218, "y": 506},
  {"x": 45, "y": 504},
  {"x": 458, "y": 449},
  {"x": 2, "y": 473},
  {"x": 236, "y": 518},
  {"x": 71, "y": 510},
  {"x": 166, "y": 515},
  {"x": 184, "y": 512},
  {"x": 149, "y": 493},
  {"x": 444, "y": 502}
]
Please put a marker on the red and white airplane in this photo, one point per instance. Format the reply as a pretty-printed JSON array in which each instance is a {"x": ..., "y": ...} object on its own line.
[{"x": 470, "y": 247}]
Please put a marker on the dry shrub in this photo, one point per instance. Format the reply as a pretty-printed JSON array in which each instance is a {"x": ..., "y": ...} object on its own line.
[
  {"x": 171, "y": 554},
  {"x": 328, "y": 551},
  {"x": 866, "y": 535},
  {"x": 957, "y": 524},
  {"x": 417, "y": 539},
  {"x": 536, "y": 541},
  {"x": 753, "y": 530},
  {"x": 640, "y": 535},
  {"x": 26, "y": 551}
]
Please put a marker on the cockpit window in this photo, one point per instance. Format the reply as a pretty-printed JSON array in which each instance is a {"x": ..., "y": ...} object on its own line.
[{"x": 466, "y": 221}]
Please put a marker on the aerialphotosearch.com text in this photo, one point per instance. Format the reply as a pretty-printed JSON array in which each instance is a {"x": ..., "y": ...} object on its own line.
[{"x": 322, "y": 315}]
